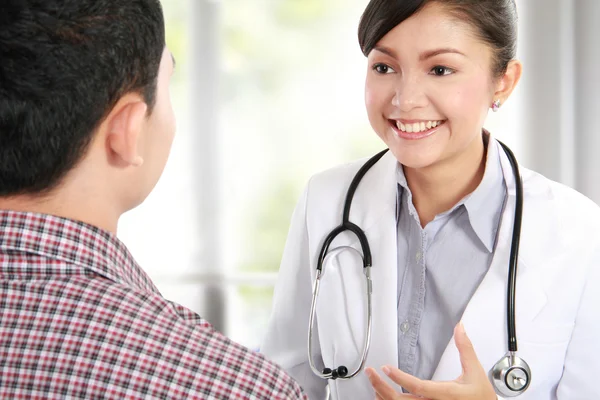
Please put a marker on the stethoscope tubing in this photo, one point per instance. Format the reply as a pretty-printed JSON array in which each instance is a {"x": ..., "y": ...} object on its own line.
[{"x": 367, "y": 263}]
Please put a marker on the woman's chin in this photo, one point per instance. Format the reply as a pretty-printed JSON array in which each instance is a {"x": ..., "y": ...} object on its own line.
[{"x": 414, "y": 160}]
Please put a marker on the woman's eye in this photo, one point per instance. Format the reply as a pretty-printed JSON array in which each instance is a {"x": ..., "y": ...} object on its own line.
[
  {"x": 439, "y": 70},
  {"x": 383, "y": 69}
]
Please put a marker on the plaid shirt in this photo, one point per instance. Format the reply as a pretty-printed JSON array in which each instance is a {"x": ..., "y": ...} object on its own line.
[{"x": 80, "y": 319}]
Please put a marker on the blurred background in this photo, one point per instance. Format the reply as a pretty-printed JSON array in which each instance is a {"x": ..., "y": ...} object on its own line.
[{"x": 270, "y": 92}]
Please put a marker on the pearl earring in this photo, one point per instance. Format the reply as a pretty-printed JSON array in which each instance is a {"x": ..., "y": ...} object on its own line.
[{"x": 496, "y": 105}]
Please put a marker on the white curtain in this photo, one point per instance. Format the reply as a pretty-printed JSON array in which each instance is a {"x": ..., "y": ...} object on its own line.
[{"x": 559, "y": 127}]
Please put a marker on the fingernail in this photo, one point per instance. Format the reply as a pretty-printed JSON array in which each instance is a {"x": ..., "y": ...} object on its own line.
[
  {"x": 368, "y": 373},
  {"x": 461, "y": 327},
  {"x": 386, "y": 370}
]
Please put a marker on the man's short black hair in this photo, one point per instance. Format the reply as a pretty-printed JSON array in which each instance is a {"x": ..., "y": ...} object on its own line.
[{"x": 63, "y": 66}]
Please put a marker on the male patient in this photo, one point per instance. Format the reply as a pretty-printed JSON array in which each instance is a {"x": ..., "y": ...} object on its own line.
[{"x": 85, "y": 130}]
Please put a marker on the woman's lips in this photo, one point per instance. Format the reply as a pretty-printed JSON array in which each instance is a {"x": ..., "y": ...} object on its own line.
[{"x": 415, "y": 130}]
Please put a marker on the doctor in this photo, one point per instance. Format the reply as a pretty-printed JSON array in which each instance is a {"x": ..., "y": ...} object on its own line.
[{"x": 438, "y": 212}]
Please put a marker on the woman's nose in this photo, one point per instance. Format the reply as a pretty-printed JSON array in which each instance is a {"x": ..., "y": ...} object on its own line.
[{"x": 409, "y": 94}]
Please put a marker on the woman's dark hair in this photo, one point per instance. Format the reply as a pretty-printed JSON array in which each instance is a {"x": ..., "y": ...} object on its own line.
[
  {"x": 495, "y": 22},
  {"x": 63, "y": 66}
]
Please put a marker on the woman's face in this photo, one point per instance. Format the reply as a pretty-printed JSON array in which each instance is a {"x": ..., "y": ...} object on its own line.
[{"x": 429, "y": 87}]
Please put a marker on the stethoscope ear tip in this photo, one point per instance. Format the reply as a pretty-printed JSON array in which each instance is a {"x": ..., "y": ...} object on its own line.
[{"x": 339, "y": 372}]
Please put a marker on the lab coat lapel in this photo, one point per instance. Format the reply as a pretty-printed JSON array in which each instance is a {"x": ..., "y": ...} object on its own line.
[
  {"x": 379, "y": 197},
  {"x": 373, "y": 209},
  {"x": 485, "y": 317}
]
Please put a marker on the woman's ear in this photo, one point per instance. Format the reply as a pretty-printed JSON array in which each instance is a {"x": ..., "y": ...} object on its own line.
[{"x": 507, "y": 82}]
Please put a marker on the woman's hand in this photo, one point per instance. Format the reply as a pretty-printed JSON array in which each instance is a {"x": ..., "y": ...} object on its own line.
[{"x": 473, "y": 384}]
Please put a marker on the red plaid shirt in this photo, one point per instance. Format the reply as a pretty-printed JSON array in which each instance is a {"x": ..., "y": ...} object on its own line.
[{"x": 80, "y": 319}]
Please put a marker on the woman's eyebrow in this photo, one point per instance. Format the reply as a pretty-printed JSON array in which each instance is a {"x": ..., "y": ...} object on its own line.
[
  {"x": 423, "y": 56},
  {"x": 432, "y": 53},
  {"x": 386, "y": 50}
]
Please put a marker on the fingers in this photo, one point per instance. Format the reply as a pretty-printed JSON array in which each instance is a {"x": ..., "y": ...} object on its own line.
[
  {"x": 382, "y": 388},
  {"x": 472, "y": 384},
  {"x": 418, "y": 387},
  {"x": 468, "y": 358}
]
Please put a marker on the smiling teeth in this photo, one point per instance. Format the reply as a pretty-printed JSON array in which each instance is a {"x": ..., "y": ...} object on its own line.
[{"x": 417, "y": 127}]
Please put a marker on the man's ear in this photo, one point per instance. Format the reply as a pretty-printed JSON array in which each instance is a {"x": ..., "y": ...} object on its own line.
[{"x": 124, "y": 126}]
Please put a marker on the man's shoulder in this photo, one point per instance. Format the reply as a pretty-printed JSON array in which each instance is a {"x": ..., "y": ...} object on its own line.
[
  {"x": 134, "y": 342},
  {"x": 234, "y": 370},
  {"x": 255, "y": 376}
]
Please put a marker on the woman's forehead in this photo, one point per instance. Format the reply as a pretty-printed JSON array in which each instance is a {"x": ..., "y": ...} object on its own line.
[{"x": 432, "y": 27}]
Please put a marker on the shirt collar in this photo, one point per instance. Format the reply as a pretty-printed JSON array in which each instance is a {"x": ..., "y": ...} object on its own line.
[
  {"x": 73, "y": 242},
  {"x": 484, "y": 204}
]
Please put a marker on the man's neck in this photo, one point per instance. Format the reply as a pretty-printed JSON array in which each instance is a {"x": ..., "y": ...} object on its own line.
[{"x": 63, "y": 205}]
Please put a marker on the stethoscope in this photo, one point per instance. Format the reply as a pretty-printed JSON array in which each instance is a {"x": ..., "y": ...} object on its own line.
[{"x": 511, "y": 375}]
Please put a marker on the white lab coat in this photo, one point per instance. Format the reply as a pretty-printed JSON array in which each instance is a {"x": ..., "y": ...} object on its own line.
[{"x": 558, "y": 287}]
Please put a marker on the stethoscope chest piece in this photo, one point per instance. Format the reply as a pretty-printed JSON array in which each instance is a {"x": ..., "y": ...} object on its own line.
[{"x": 511, "y": 375}]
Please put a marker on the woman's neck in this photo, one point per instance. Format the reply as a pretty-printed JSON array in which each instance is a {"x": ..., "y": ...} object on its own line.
[{"x": 438, "y": 188}]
